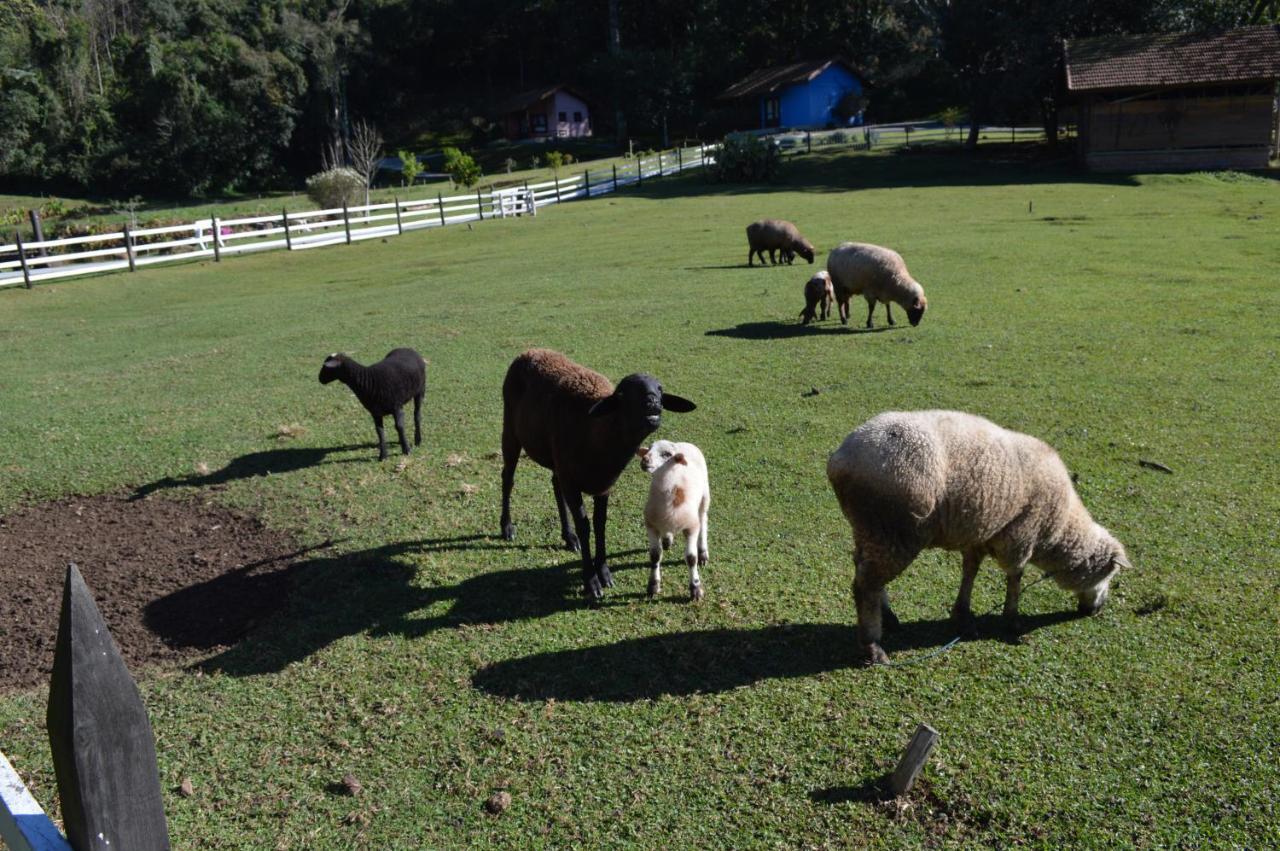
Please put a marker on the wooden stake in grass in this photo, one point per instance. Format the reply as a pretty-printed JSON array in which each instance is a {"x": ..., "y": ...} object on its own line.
[{"x": 913, "y": 759}]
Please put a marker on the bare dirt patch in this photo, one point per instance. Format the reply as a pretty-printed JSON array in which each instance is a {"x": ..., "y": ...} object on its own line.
[{"x": 175, "y": 580}]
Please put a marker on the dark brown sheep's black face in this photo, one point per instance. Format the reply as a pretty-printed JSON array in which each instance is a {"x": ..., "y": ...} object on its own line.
[
  {"x": 916, "y": 311},
  {"x": 329, "y": 370},
  {"x": 638, "y": 402},
  {"x": 806, "y": 252}
]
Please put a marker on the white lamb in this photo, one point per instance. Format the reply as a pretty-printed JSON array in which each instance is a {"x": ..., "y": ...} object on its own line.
[
  {"x": 679, "y": 495},
  {"x": 909, "y": 481}
]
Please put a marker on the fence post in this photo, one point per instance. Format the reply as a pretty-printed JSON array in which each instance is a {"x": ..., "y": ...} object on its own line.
[
  {"x": 556, "y": 178},
  {"x": 128, "y": 247},
  {"x": 479, "y": 204},
  {"x": 37, "y": 230},
  {"x": 640, "y": 171},
  {"x": 586, "y": 182},
  {"x": 660, "y": 164},
  {"x": 217, "y": 240},
  {"x": 346, "y": 221},
  {"x": 615, "y": 177},
  {"x": 104, "y": 752},
  {"x": 399, "y": 225},
  {"x": 22, "y": 258},
  {"x": 288, "y": 237},
  {"x": 808, "y": 142},
  {"x": 440, "y": 207},
  {"x": 679, "y": 161}
]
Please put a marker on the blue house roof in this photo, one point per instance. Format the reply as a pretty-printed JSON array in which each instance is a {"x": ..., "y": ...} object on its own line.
[{"x": 802, "y": 94}]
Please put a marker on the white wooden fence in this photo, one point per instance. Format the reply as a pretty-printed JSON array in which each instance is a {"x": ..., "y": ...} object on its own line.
[{"x": 26, "y": 263}]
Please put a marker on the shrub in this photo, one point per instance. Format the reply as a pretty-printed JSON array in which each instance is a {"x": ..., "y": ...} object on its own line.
[
  {"x": 568, "y": 158},
  {"x": 555, "y": 159},
  {"x": 837, "y": 138},
  {"x": 535, "y": 161},
  {"x": 335, "y": 187},
  {"x": 743, "y": 158},
  {"x": 511, "y": 165},
  {"x": 461, "y": 167},
  {"x": 410, "y": 166}
]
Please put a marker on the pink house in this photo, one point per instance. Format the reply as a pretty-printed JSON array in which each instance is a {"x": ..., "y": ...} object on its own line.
[{"x": 553, "y": 112}]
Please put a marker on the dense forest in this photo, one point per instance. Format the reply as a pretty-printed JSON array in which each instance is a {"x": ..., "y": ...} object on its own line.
[{"x": 197, "y": 97}]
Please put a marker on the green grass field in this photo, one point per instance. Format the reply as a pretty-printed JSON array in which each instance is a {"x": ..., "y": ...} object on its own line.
[{"x": 1116, "y": 318}]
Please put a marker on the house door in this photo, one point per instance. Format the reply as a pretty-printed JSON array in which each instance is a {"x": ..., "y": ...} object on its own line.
[{"x": 772, "y": 113}]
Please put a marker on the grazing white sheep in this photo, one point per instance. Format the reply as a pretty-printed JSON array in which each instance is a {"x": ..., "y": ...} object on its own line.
[
  {"x": 877, "y": 274},
  {"x": 679, "y": 496},
  {"x": 908, "y": 481}
]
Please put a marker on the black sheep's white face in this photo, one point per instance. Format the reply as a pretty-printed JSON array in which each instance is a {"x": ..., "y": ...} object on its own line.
[
  {"x": 638, "y": 402},
  {"x": 329, "y": 370}
]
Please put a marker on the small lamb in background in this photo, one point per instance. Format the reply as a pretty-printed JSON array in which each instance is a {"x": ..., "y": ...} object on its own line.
[
  {"x": 913, "y": 480},
  {"x": 818, "y": 291},
  {"x": 383, "y": 388},
  {"x": 679, "y": 496}
]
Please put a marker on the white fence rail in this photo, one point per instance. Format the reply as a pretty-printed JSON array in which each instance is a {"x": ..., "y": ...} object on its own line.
[{"x": 26, "y": 263}]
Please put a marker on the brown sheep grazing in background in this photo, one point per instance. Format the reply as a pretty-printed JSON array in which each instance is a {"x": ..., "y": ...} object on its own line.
[{"x": 774, "y": 235}]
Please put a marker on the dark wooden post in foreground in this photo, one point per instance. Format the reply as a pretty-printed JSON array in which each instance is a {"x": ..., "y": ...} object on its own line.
[
  {"x": 913, "y": 759},
  {"x": 22, "y": 258},
  {"x": 103, "y": 751}
]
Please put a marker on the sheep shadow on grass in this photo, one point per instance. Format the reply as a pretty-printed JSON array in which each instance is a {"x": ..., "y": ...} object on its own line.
[
  {"x": 710, "y": 661},
  {"x": 376, "y": 592},
  {"x": 788, "y": 330},
  {"x": 271, "y": 462}
]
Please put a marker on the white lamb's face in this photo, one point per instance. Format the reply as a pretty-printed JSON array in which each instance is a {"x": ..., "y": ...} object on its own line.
[{"x": 656, "y": 455}]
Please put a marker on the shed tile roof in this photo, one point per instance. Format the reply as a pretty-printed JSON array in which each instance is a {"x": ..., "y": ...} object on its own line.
[
  {"x": 1173, "y": 59},
  {"x": 769, "y": 80},
  {"x": 526, "y": 99}
]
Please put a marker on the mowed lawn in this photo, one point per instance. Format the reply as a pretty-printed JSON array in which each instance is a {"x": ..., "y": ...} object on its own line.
[{"x": 1119, "y": 319}]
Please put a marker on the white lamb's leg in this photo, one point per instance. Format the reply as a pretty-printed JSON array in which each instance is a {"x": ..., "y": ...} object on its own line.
[
  {"x": 655, "y": 561},
  {"x": 691, "y": 538}
]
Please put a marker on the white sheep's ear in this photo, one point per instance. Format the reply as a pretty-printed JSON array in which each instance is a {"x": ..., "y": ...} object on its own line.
[
  {"x": 1122, "y": 561},
  {"x": 680, "y": 459},
  {"x": 332, "y": 362},
  {"x": 604, "y": 407}
]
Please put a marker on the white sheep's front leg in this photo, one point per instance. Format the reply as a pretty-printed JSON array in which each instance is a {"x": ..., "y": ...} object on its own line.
[
  {"x": 655, "y": 561},
  {"x": 691, "y": 539}
]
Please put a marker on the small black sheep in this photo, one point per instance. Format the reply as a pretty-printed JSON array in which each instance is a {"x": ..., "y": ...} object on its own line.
[{"x": 383, "y": 388}]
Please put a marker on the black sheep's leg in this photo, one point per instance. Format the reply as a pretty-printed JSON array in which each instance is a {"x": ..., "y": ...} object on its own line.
[
  {"x": 751, "y": 257},
  {"x": 591, "y": 588},
  {"x": 382, "y": 438},
  {"x": 871, "y": 308},
  {"x": 570, "y": 539},
  {"x": 398, "y": 416},
  {"x": 417, "y": 420},
  {"x": 599, "y": 518},
  {"x": 510, "y": 455},
  {"x": 888, "y": 313}
]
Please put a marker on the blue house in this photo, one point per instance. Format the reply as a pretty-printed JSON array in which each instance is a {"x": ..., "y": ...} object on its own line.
[{"x": 802, "y": 94}]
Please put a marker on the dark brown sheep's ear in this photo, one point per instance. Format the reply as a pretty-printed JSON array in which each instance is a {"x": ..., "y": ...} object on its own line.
[
  {"x": 604, "y": 407},
  {"x": 680, "y": 459},
  {"x": 677, "y": 404}
]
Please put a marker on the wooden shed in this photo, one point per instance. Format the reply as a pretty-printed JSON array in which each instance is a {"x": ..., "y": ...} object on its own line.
[{"x": 1176, "y": 100}]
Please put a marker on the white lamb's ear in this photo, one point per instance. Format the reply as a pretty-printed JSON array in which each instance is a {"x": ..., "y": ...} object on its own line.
[
  {"x": 680, "y": 459},
  {"x": 642, "y": 451},
  {"x": 1122, "y": 561}
]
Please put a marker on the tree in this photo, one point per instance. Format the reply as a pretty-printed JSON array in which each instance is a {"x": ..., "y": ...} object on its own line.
[
  {"x": 410, "y": 166},
  {"x": 461, "y": 167},
  {"x": 365, "y": 151}
]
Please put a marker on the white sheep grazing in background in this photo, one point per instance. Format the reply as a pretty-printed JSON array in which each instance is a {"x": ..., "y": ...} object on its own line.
[
  {"x": 679, "y": 496},
  {"x": 909, "y": 481},
  {"x": 877, "y": 274}
]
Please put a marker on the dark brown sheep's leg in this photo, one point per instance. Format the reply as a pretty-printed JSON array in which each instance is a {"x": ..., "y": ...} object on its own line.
[
  {"x": 570, "y": 539},
  {"x": 417, "y": 420},
  {"x": 888, "y": 313},
  {"x": 510, "y": 456},
  {"x": 751, "y": 258},
  {"x": 382, "y": 438},
  {"x": 591, "y": 588},
  {"x": 871, "y": 308},
  {"x": 398, "y": 416},
  {"x": 600, "y": 517}
]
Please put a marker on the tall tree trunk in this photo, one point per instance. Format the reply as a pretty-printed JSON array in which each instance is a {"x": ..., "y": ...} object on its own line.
[{"x": 615, "y": 50}]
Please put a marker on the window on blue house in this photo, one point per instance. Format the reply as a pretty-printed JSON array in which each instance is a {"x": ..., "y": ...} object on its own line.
[{"x": 577, "y": 116}]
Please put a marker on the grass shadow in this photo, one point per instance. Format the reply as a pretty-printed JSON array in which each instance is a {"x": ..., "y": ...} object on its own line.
[
  {"x": 788, "y": 330},
  {"x": 271, "y": 462},
  {"x": 708, "y": 661},
  {"x": 374, "y": 592}
]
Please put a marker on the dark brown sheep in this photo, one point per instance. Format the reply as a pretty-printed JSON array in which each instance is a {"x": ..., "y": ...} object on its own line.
[
  {"x": 384, "y": 388},
  {"x": 572, "y": 421},
  {"x": 774, "y": 235}
]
